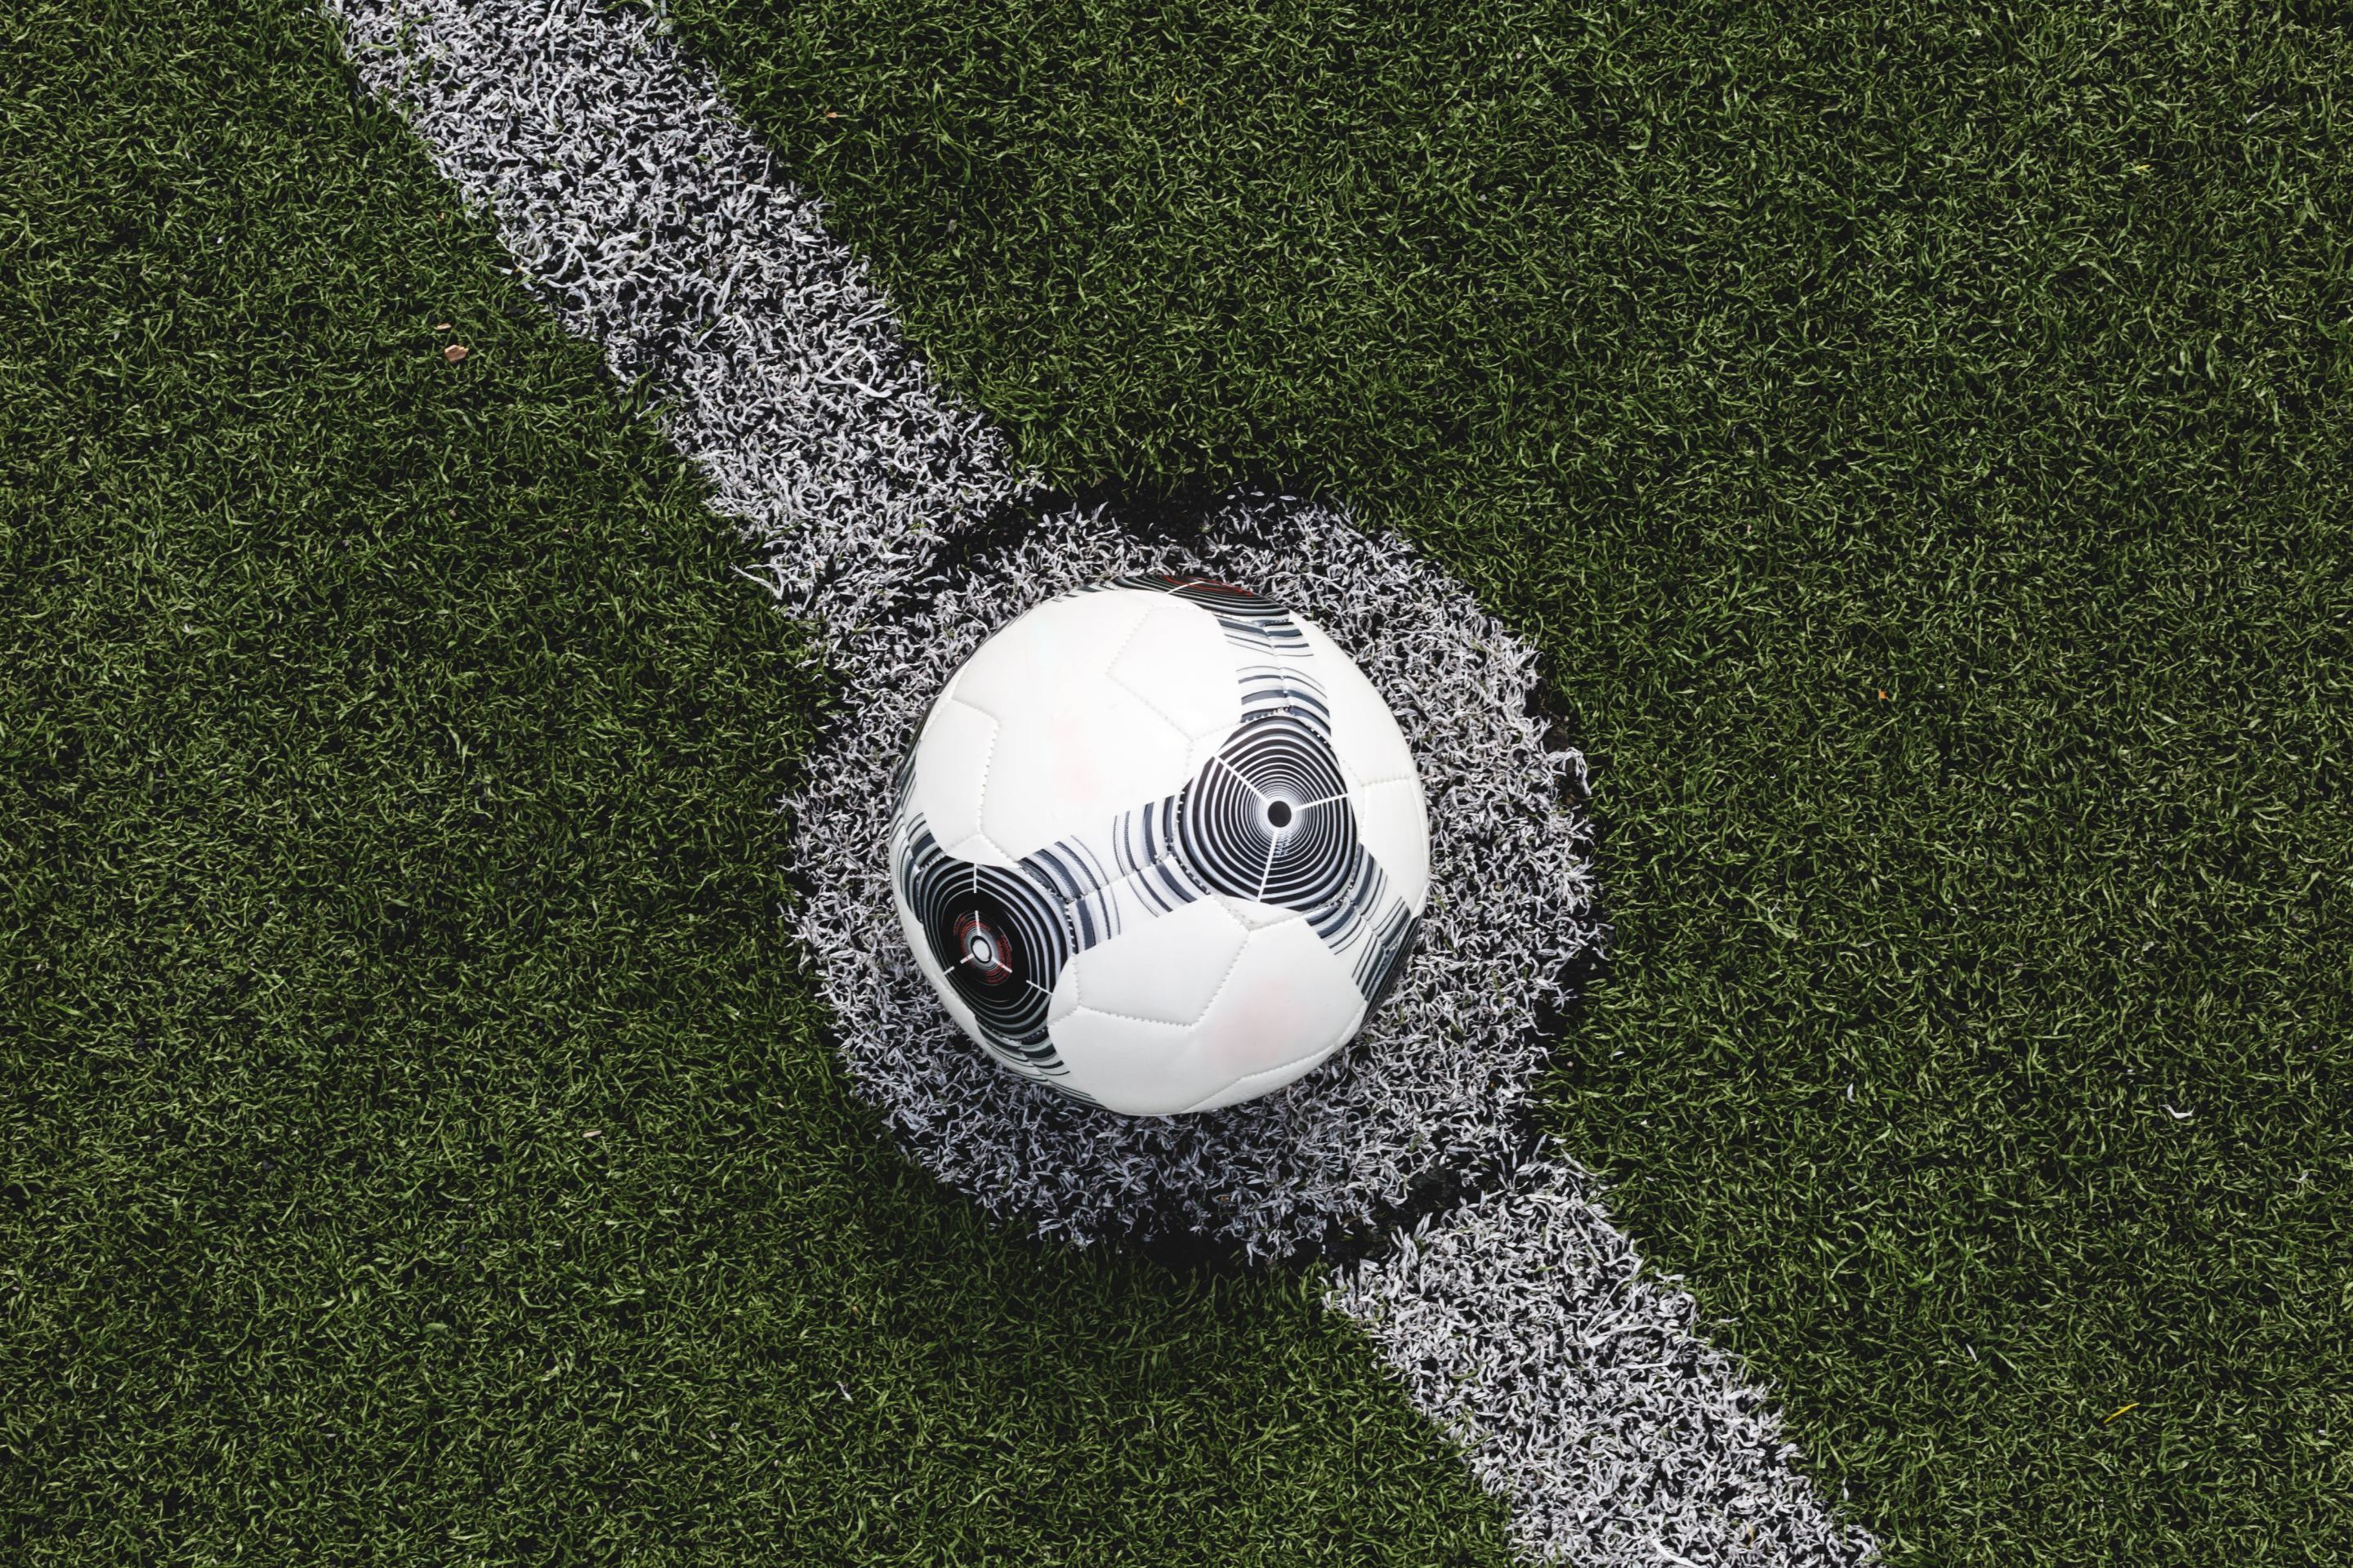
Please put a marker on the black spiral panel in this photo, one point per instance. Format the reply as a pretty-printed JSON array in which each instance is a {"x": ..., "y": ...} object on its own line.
[
  {"x": 1269, "y": 820},
  {"x": 1383, "y": 958},
  {"x": 1269, "y": 690},
  {"x": 1088, "y": 894},
  {"x": 1151, "y": 865},
  {"x": 998, "y": 936}
]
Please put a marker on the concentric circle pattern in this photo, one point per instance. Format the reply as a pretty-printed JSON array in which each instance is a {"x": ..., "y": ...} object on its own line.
[
  {"x": 998, "y": 938},
  {"x": 1268, "y": 819}
]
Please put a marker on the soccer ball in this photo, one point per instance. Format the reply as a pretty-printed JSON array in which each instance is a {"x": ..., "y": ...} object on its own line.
[{"x": 1160, "y": 845}]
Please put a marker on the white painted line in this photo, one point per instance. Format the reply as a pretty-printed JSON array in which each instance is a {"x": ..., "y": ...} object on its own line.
[
  {"x": 1580, "y": 1390},
  {"x": 649, "y": 219},
  {"x": 632, "y": 198}
]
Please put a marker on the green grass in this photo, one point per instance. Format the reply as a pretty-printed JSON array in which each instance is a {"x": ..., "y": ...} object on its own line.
[
  {"x": 414, "y": 1141},
  {"x": 1922, "y": 440}
]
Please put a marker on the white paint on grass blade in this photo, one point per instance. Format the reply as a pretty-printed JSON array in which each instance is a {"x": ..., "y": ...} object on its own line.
[
  {"x": 651, "y": 220},
  {"x": 1580, "y": 1390},
  {"x": 635, "y": 201}
]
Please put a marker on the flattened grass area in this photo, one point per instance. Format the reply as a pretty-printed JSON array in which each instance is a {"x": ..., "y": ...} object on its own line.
[
  {"x": 414, "y": 1144},
  {"x": 1922, "y": 440}
]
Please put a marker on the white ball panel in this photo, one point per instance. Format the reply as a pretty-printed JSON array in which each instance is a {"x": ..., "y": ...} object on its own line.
[
  {"x": 1163, "y": 970},
  {"x": 1177, "y": 663},
  {"x": 1033, "y": 658},
  {"x": 1363, "y": 732},
  {"x": 1393, "y": 824},
  {"x": 952, "y": 763},
  {"x": 1128, "y": 1065},
  {"x": 1286, "y": 1004},
  {"x": 1289, "y": 999},
  {"x": 1074, "y": 766},
  {"x": 1073, "y": 747},
  {"x": 1265, "y": 1082}
]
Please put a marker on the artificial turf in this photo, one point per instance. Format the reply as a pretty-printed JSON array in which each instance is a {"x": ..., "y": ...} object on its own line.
[
  {"x": 415, "y": 1141},
  {"x": 1921, "y": 439}
]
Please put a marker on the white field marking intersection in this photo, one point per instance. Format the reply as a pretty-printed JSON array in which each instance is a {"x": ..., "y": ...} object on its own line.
[{"x": 635, "y": 201}]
